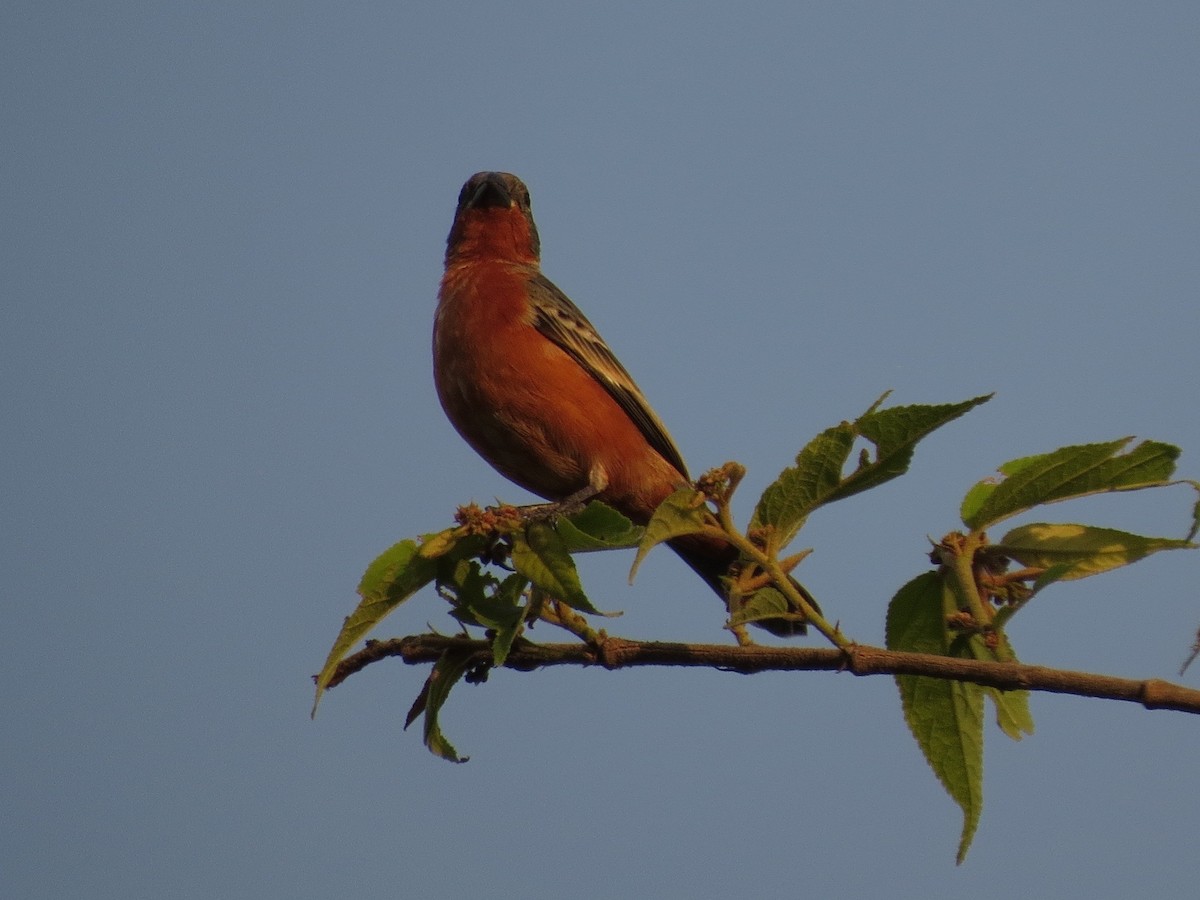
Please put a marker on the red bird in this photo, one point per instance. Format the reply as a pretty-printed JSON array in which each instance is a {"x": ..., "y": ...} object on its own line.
[{"x": 533, "y": 388}]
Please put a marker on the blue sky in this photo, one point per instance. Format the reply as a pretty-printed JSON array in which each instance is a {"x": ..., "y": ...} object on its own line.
[{"x": 222, "y": 237}]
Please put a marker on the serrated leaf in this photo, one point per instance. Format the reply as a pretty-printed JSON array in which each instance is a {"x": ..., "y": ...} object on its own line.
[
  {"x": 540, "y": 555},
  {"x": 679, "y": 514},
  {"x": 394, "y": 576},
  {"x": 446, "y": 672},
  {"x": 895, "y": 433},
  {"x": 945, "y": 717},
  {"x": 765, "y": 603},
  {"x": 787, "y": 503},
  {"x": 916, "y": 616},
  {"x": 598, "y": 527},
  {"x": 1082, "y": 549},
  {"x": 978, "y": 500},
  {"x": 818, "y": 479},
  {"x": 1068, "y": 472}
]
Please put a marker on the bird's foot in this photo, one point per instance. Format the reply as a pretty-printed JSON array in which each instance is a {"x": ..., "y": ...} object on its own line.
[{"x": 568, "y": 506}]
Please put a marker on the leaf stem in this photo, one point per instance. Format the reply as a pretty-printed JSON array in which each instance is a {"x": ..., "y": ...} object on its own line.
[
  {"x": 957, "y": 552},
  {"x": 782, "y": 581}
]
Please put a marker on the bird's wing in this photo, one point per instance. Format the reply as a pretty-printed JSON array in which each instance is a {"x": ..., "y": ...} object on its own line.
[{"x": 561, "y": 321}]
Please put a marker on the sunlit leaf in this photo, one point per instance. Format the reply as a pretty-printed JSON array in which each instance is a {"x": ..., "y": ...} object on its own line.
[
  {"x": 394, "y": 576},
  {"x": 1012, "y": 712},
  {"x": 1082, "y": 549},
  {"x": 1012, "y": 707},
  {"x": 435, "y": 545}
]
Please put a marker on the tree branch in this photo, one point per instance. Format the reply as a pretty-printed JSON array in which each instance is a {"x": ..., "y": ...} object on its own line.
[{"x": 859, "y": 659}]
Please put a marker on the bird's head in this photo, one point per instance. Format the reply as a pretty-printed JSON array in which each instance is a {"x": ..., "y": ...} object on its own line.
[{"x": 493, "y": 220}]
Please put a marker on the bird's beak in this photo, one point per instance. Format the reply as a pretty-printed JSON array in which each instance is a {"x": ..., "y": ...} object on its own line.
[{"x": 492, "y": 191}]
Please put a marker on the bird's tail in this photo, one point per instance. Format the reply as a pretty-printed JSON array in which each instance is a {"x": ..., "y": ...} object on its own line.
[{"x": 711, "y": 558}]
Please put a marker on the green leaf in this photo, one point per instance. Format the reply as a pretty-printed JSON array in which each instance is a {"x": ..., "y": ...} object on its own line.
[
  {"x": 916, "y": 616},
  {"x": 787, "y": 503},
  {"x": 817, "y": 478},
  {"x": 1012, "y": 712},
  {"x": 598, "y": 527},
  {"x": 679, "y": 514},
  {"x": 945, "y": 717},
  {"x": 397, "y": 574},
  {"x": 479, "y": 598},
  {"x": 508, "y": 595},
  {"x": 468, "y": 586},
  {"x": 447, "y": 671},
  {"x": 1082, "y": 549},
  {"x": 541, "y": 556},
  {"x": 439, "y": 544},
  {"x": 895, "y": 433},
  {"x": 1012, "y": 707},
  {"x": 766, "y": 603},
  {"x": 1065, "y": 473}
]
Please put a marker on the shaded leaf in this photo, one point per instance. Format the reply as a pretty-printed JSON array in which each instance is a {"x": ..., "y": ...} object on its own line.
[
  {"x": 541, "y": 556},
  {"x": 945, "y": 717},
  {"x": 787, "y": 502},
  {"x": 479, "y": 598},
  {"x": 598, "y": 527},
  {"x": 1068, "y": 472},
  {"x": 895, "y": 433},
  {"x": 767, "y": 603},
  {"x": 468, "y": 586},
  {"x": 916, "y": 616},
  {"x": 447, "y": 671},
  {"x": 1080, "y": 550},
  {"x": 817, "y": 478},
  {"x": 509, "y": 594},
  {"x": 681, "y": 513}
]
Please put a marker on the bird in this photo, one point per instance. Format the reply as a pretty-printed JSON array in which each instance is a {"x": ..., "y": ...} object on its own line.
[{"x": 528, "y": 382}]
